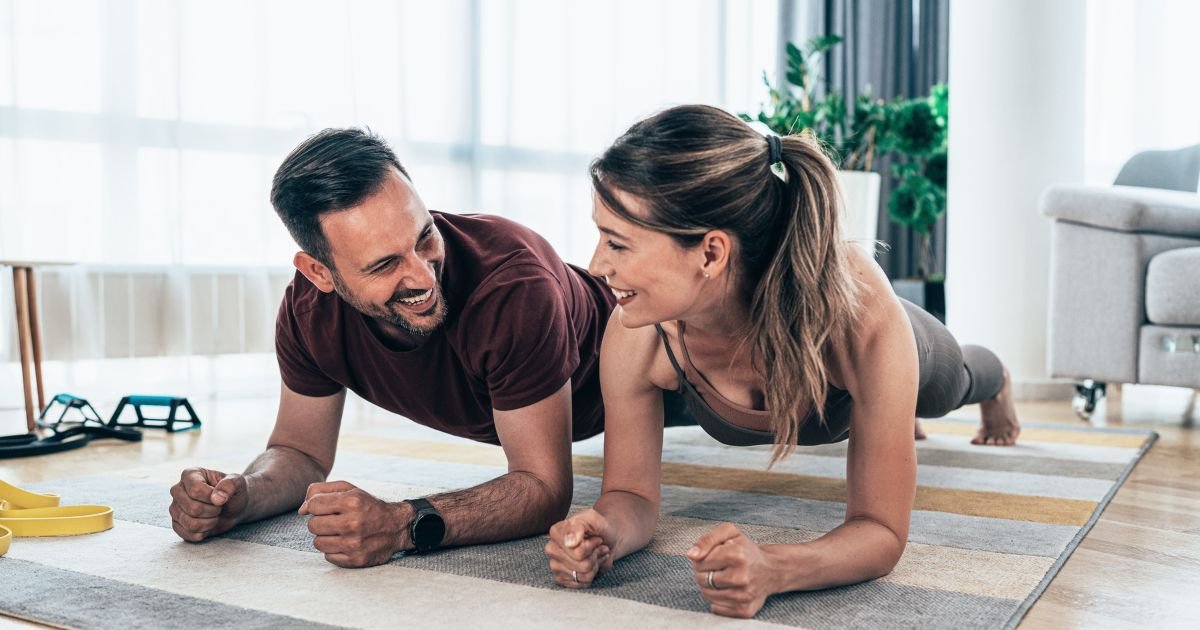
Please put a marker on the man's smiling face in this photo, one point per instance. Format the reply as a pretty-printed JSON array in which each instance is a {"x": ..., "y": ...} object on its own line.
[{"x": 388, "y": 257}]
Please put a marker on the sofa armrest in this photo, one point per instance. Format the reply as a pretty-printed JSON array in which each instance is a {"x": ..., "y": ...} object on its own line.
[
  {"x": 1097, "y": 283},
  {"x": 1125, "y": 208}
]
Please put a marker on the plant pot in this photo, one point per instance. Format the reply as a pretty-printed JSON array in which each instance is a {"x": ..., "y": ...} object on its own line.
[
  {"x": 860, "y": 204},
  {"x": 928, "y": 294}
]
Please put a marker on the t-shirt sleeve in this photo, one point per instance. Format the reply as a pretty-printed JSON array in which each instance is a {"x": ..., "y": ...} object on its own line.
[
  {"x": 520, "y": 338},
  {"x": 297, "y": 367}
]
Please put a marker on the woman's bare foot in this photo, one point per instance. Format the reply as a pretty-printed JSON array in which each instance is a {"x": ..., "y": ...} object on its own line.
[
  {"x": 999, "y": 426},
  {"x": 918, "y": 432}
]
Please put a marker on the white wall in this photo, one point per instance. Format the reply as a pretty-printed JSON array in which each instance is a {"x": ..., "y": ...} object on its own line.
[{"x": 1017, "y": 103}]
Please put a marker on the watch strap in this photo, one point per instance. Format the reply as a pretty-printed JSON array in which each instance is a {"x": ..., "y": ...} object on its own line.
[{"x": 421, "y": 506}]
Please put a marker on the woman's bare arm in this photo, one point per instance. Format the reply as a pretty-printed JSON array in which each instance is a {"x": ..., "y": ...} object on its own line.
[{"x": 879, "y": 366}]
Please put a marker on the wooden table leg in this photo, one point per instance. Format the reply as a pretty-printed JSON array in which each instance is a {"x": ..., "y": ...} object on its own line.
[
  {"x": 35, "y": 336},
  {"x": 21, "y": 293}
]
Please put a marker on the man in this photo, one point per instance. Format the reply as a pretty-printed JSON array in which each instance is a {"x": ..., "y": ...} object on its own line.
[{"x": 469, "y": 324}]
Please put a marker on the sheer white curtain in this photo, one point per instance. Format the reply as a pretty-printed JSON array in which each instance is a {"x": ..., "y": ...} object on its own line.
[
  {"x": 140, "y": 136},
  {"x": 1143, "y": 80},
  {"x": 147, "y": 131}
]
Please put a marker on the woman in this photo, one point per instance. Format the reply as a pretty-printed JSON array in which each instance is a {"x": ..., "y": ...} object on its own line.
[{"x": 736, "y": 290}]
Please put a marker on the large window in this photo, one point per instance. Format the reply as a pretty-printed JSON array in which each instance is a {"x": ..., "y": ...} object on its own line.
[
  {"x": 1143, "y": 87},
  {"x": 147, "y": 131}
]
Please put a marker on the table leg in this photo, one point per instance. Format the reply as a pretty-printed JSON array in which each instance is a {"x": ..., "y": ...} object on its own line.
[
  {"x": 21, "y": 293},
  {"x": 35, "y": 336}
]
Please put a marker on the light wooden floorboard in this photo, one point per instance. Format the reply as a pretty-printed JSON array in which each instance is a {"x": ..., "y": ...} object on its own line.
[{"x": 1139, "y": 567}]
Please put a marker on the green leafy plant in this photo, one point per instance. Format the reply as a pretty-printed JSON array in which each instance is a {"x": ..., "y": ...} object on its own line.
[
  {"x": 918, "y": 136},
  {"x": 911, "y": 131}
]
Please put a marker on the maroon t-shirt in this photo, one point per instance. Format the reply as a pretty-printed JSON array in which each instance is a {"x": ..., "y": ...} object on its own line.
[{"x": 520, "y": 323}]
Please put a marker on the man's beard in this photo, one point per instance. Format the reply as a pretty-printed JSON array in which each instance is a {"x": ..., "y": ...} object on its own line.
[{"x": 393, "y": 312}]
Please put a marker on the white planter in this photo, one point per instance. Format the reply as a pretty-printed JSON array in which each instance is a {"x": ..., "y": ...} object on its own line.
[{"x": 860, "y": 204}]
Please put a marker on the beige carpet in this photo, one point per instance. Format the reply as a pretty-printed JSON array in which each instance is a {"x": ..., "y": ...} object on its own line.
[{"x": 990, "y": 529}]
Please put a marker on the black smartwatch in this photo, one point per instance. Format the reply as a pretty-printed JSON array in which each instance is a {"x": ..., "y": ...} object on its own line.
[{"x": 427, "y": 527}]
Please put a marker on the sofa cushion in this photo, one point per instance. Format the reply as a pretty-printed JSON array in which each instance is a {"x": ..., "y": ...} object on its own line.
[{"x": 1173, "y": 288}]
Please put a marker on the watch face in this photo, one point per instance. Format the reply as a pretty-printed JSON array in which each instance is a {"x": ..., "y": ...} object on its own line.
[{"x": 428, "y": 531}]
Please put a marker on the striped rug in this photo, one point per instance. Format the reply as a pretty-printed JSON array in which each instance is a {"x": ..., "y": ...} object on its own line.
[{"x": 990, "y": 528}]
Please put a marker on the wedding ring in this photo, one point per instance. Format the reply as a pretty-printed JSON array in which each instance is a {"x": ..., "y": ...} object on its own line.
[
  {"x": 710, "y": 582},
  {"x": 575, "y": 575}
]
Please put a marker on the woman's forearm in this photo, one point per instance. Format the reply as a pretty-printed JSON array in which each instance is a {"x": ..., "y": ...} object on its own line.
[
  {"x": 632, "y": 519},
  {"x": 856, "y": 551}
]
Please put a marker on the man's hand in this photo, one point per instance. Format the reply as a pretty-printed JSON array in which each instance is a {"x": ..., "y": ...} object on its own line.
[
  {"x": 206, "y": 503},
  {"x": 733, "y": 574},
  {"x": 580, "y": 549},
  {"x": 354, "y": 529}
]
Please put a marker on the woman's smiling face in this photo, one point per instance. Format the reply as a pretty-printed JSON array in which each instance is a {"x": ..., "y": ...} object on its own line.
[{"x": 654, "y": 278}]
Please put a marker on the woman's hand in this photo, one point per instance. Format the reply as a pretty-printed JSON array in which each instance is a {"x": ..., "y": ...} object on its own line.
[
  {"x": 580, "y": 549},
  {"x": 734, "y": 575}
]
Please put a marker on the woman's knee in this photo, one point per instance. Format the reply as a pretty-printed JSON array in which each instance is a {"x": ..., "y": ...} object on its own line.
[{"x": 986, "y": 374}]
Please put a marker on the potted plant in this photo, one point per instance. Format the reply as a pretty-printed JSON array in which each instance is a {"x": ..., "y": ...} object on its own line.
[
  {"x": 850, "y": 137},
  {"x": 917, "y": 135},
  {"x": 911, "y": 131}
]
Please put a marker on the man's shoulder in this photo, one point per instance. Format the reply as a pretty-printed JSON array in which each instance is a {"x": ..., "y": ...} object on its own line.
[
  {"x": 498, "y": 254},
  {"x": 523, "y": 281},
  {"x": 489, "y": 240},
  {"x": 483, "y": 223}
]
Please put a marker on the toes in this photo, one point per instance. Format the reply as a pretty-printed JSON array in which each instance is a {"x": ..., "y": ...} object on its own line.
[{"x": 986, "y": 438}]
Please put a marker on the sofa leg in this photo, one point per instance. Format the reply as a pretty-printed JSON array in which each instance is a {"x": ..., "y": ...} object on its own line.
[
  {"x": 1189, "y": 412},
  {"x": 1087, "y": 395}
]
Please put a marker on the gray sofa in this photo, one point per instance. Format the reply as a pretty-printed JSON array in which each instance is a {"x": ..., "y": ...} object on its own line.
[{"x": 1125, "y": 277}]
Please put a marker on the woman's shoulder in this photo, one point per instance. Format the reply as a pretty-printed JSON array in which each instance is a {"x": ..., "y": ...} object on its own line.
[
  {"x": 879, "y": 315},
  {"x": 874, "y": 291},
  {"x": 634, "y": 357}
]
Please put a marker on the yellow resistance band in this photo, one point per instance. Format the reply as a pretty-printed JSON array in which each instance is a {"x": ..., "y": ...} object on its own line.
[{"x": 24, "y": 513}]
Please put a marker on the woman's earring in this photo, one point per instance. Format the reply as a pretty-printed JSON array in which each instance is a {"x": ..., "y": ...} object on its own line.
[{"x": 706, "y": 276}]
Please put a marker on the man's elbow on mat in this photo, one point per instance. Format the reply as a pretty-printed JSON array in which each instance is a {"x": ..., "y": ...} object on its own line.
[{"x": 554, "y": 502}]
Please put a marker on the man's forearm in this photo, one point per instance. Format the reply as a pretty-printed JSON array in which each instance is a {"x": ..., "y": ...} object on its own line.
[
  {"x": 514, "y": 505},
  {"x": 277, "y": 481}
]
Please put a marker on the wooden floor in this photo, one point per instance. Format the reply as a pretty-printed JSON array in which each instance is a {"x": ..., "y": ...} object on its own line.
[{"x": 1138, "y": 568}]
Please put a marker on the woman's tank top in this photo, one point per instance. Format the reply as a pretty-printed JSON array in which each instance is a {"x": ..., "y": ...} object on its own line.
[{"x": 730, "y": 423}]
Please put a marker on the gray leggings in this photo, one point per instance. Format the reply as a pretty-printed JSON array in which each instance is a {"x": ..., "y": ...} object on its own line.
[{"x": 951, "y": 375}]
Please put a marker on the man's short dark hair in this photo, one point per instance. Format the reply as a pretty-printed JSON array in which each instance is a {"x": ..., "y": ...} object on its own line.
[{"x": 333, "y": 170}]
